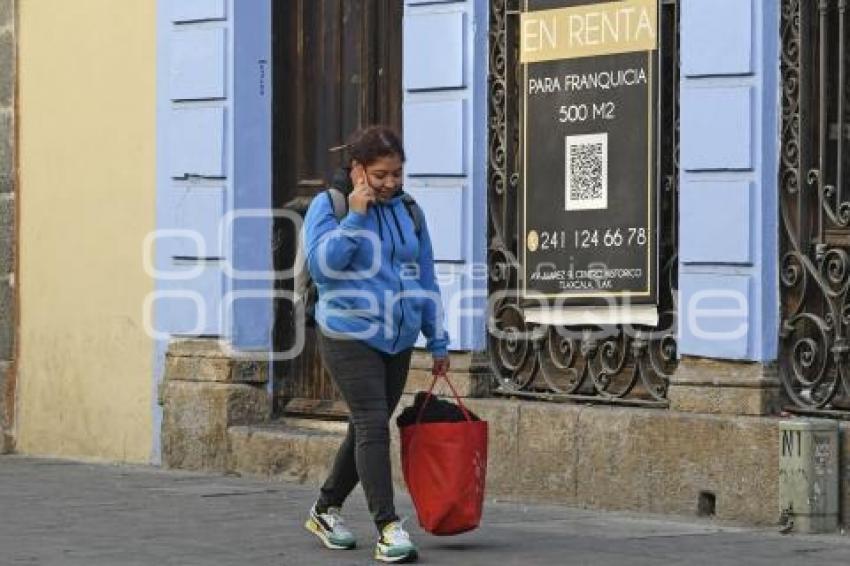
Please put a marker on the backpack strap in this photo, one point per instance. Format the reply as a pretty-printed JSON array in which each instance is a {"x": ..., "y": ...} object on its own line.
[
  {"x": 414, "y": 211},
  {"x": 339, "y": 203}
]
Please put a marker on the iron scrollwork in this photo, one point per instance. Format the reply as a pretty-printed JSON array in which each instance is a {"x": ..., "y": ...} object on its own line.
[
  {"x": 815, "y": 215},
  {"x": 620, "y": 364}
]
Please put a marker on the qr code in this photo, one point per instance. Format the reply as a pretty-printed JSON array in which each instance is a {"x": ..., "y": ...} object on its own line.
[{"x": 587, "y": 172}]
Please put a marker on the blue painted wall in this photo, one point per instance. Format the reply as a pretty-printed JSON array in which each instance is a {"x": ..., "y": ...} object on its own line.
[
  {"x": 214, "y": 192},
  {"x": 445, "y": 135},
  {"x": 249, "y": 313},
  {"x": 215, "y": 175},
  {"x": 729, "y": 301},
  {"x": 213, "y": 245}
]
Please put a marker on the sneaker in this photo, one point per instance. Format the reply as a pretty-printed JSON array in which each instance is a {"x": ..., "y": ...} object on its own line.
[
  {"x": 394, "y": 544},
  {"x": 330, "y": 529}
]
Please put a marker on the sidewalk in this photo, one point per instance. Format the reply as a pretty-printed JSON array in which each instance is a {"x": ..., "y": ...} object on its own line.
[{"x": 65, "y": 513}]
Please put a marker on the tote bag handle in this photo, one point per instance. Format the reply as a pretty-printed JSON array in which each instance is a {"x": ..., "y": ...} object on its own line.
[{"x": 431, "y": 394}]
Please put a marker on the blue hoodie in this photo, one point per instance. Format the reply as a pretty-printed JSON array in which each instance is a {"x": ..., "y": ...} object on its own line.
[{"x": 386, "y": 300}]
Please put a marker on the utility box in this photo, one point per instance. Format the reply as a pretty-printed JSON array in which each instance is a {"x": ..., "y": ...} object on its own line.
[{"x": 808, "y": 475}]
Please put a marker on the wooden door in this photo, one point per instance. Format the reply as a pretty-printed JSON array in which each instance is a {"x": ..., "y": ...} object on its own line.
[{"x": 337, "y": 67}]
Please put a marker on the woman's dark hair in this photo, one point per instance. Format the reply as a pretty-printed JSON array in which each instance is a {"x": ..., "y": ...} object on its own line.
[{"x": 372, "y": 143}]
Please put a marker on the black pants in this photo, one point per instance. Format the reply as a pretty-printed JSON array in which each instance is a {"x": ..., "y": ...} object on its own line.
[{"x": 371, "y": 382}]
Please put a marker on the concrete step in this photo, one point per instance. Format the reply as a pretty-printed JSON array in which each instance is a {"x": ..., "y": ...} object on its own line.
[
  {"x": 619, "y": 458},
  {"x": 299, "y": 450},
  {"x": 308, "y": 424}
]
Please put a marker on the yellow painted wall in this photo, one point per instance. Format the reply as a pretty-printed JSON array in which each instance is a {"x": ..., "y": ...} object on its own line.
[{"x": 87, "y": 190}]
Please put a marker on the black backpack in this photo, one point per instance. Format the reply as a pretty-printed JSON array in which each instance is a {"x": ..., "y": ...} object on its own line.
[{"x": 306, "y": 295}]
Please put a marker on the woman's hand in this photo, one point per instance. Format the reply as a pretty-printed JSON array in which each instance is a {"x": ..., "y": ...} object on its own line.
[
  {"x": 441, "y": 366},
  {"x": 363, "y": 195}
]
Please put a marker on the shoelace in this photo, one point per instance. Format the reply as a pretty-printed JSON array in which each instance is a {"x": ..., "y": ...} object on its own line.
[
  {"x": 334, "y": 518},
  {"x": 395, "y": 532}
]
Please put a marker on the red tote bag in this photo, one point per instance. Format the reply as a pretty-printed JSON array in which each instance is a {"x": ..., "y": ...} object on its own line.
[{"x": 445, "y": 465}]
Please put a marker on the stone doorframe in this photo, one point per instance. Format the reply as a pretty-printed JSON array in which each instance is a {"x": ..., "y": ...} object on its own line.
[{"x": 8, "y": 225}]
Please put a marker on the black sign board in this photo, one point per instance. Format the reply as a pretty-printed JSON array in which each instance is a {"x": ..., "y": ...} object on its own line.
[{"x": 590, "y": 79}]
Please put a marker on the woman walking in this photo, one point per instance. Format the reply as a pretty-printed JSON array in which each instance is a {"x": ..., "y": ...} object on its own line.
[{"x": 369, "y": 252}]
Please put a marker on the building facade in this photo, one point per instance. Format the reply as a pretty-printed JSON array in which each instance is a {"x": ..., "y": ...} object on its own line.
[
  {"x": 85, "y": 159},
  {"x": 457, "y": 107},
  {"x": 206, "y": 131}
]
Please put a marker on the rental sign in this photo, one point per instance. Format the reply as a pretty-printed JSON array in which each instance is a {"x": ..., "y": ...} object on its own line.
[{"x": 589, "y": 80}]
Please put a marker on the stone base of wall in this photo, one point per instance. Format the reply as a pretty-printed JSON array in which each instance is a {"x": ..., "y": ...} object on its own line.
[
  {"x": 642, "y": 460},
  {"x": 645, "y": 460},
  {"x": 618, "y": 458},
  {"x": 291, "y": 451},
  {"x": 205, "y": 391},
  {"x": 7, "y": 400},
  {"x": 723, "y": 387}
]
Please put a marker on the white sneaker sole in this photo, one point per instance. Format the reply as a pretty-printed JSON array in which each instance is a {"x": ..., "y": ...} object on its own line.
[{"x": 411, "y": 556}]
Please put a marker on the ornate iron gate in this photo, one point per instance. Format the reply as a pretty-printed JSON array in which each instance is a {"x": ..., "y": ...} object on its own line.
[
  {"x": 556, "y": 363},
  {"x": 815, "y": 209}
]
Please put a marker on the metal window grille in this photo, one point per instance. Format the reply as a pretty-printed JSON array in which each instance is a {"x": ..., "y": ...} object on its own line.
[
  {"x": 814, "y": 206},
  {"x": 541, "y": 361}
]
